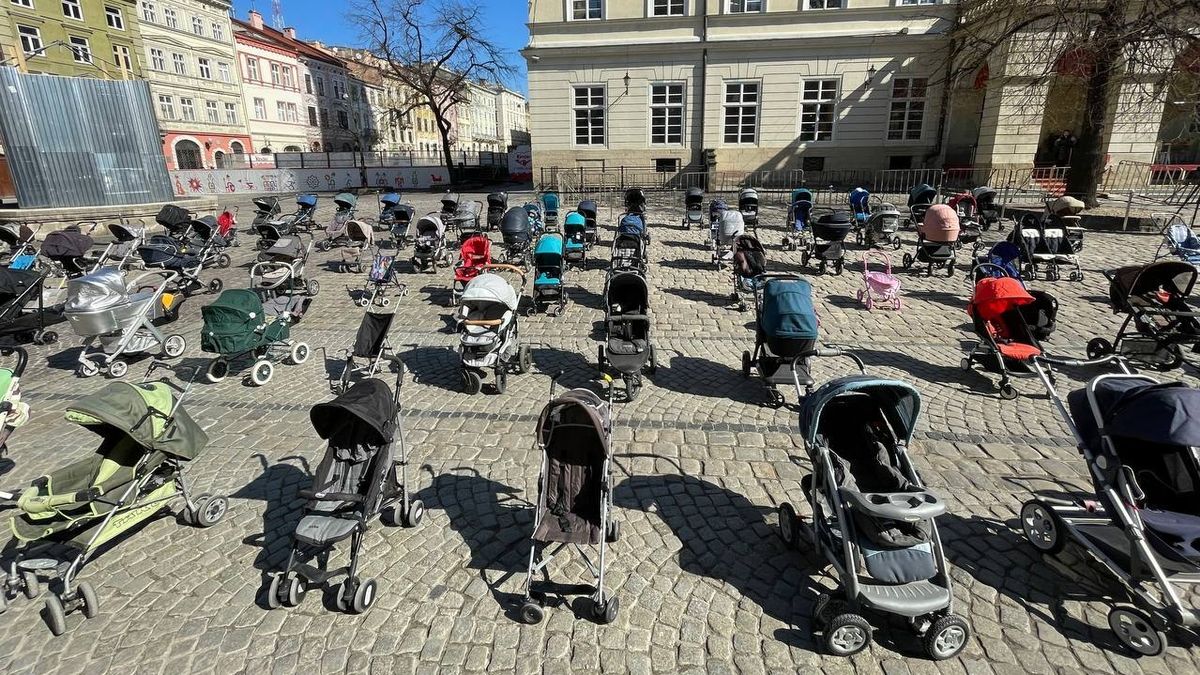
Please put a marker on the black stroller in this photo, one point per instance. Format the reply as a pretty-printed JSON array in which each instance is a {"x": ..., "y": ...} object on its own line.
[
  {"x": 363, "y": 474},
  {"x": 920, "y": 198},
  {"x": 516, "y": 233},
  {"x": 497, "y": 205},
  {"x": 371, "y": 348},
  {"x": 301, "y": 220},
  {"x": 68, "y": 249},
  {"x": 1052, "y": 240},
  {"x": 591, "y": 229},
  {"x": 628, "y": 348},
  {"x": 1159, "y": 322},
  {"x": 173, "y": 219},
  {"x": 266, "y": 209},
  {"x": 21, "y": 316},
  {"x": 575, "y": 495},
  {"x": 829, "y": 234},
  {"x": 785, "y": 332},
  {"x": 635, "y": 202},
  {"x": 163, "y": 252},
  {"x": 748, "y": 206},
  {"x": 628, "y": 254},
  {"x": 693, "y": 208},
  {"x": 390, "y": 211},
  {"x": 989, "y": 210}
]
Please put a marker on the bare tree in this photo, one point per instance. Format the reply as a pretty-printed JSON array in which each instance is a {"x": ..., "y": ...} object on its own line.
[
  {"x": 435, "y": 48},
  {"x": 1111, "y": 43}
]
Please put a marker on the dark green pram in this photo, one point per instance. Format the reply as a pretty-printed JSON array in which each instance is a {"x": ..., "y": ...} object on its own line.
[
  {"x": 240, "y": 324},
  {"x": 67, "y": 515}
]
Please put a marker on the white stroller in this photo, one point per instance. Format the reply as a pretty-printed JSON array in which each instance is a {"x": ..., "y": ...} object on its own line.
[
  {"x": 282, "y": 269},
  {"x": 488, "y": 322},
  {"x": 102, "y": 308},
  {"x": 731, "y": 226},
  {"x": 429, "y": 244},
  {"x": 360, "y": 236}
]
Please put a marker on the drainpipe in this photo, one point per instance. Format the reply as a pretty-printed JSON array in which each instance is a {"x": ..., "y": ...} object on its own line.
[{"x": 699, "y": 152}]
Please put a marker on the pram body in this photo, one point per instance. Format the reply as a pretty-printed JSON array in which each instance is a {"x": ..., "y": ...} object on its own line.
[
  {"x": 920, "y": 198},
  {"x": 797, "y": 233},
  {"x": 238, "y": 323},
  {"x": 785, "y": 332},
  {"x": 490, "y": 338},
  {"x": 345, "y": 204},
  {"x": 474, "y": 253},
  {"x": 937, "y": 240},
  {"x": 497, "y": 205},
  {"x": 1159, "y": 322},
  {"x": 883, "y": 227},
  {"x": 429, "y": 245},
  {"x": 1007, "y": 344},
  {"x": 282, "y": 268},
  {"x": 24, "y": 314},
  {"x": 549, "y": 289},
  {"x": 68, "y": 249},
  {"x": 749, "y": 263},
  {"x": 1178, "y": 238},
  {"x": 629, "y": 346},
  {"x": 360, "y": 237},
  {"x": 879, "y": 286},
  {"x": 693, "y": 208},
  {"x": 748, "y": 206},
  {"x": 731, "y": 226},
  {"x": 575, "y": 239},
  {"x": 829, "y": 233},
  {"x": 516, "y": 233}
]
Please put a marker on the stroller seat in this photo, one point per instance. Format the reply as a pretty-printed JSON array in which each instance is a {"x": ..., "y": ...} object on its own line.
[
  {"x": 574, "y": 474},
  {"x": 345, "y": 470},
  {"x": 547, "y": 279}
]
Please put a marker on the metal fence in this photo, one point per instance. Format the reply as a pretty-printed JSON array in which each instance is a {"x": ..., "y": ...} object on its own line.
[
  {"x": 1170, "y": 184},
  {"x": 99, "y": 147},
  {"x": 353, "y": 159}
]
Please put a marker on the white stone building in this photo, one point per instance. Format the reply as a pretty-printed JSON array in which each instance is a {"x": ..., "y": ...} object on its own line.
[
  {"x": 271, "y": 88},
  {"x": 512, "y": 118}
]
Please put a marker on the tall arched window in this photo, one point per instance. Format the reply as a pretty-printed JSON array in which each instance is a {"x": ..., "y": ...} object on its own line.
[
  {"x": 219, "y": 159},
  {"x": 187, "y": 155},
  {"x": 237, "y": 148}
]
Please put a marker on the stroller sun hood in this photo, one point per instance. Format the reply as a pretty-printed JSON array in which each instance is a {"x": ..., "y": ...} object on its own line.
[
  {"x": 367, "y": 406},
  {"x": 1136, "y": 409},
  {"x": 899, "y": 401},
  {"x": 142, "y": 412}
]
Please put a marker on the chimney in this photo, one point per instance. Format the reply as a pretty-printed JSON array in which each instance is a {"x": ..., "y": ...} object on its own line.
[
  {"x": 255, "y": 19},
  {"x": 290, "y": 32}
]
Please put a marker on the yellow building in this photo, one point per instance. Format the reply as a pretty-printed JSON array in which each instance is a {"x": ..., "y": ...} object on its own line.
[{"x": 88, "y": 38}]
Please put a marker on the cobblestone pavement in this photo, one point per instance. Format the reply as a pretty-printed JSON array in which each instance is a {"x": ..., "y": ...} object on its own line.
[{"x": 705, "y": 583}]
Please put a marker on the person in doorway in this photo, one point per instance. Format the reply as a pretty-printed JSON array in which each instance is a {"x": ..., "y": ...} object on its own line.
[{"x": 1063, "y": 145}]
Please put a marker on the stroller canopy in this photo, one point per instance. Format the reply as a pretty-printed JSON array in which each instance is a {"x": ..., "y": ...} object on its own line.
[
  {"x": 549, "y": 246},
  {"x": 99, "y": 290},
  {"x": 142, "y": 412},
  {"x": 68, "y": 243},
  {"x": 994, "y": 297},
  {"x": 632, "y": 224},
  {"x": 574, "y": 223},
  {"x": 307, "y": 201},
  {"x": 491, "y": 288},
  {"x": 940, "y": 224},
  {"x": 204, "y": 227},
  {"x": 365, "y": 412},
  {"x": 748, "y": 197},
  {"x": 635, "y": 198},
  {"x": 801, "y": 195},
  {"x": 1175, "y": 277},
  {"x": 1156, "y": 414},
  {"x": 922, "y": 194},
  {"x": 497, "y": 200},
  {"x": 984, "y": 195},
  {"x": 345, "y": 201},
  {"x": 550, "y": 201},
  {"x": 287, "y": 249},
  {"x": 859, "y": 199},
  {"x": 266, "y": 204},
  {"x": 515, "y": 222},
  {"x": 389, "y": 199},
  {"x": 431, "y": 226},
  {"x": 693, "y": 197},
  {"x": 964, "y": 202},
  {"x": 1066, "y": 206},
  {"x": 716, "y": 206},
  {"x": 359, "y": 231},
  {"x": 14, "y": 233},
  {"x": 732, "y": 225},
  {"x": 787, "y": 310},
  {"x": 833, "y": 226},
  {"x": 899, "y": 401},
  {"x": 628, "y": 293},
  {"x": 1007, "y": 257},
  {"x": 172, "y": 217},
  {"x": 588, "y": 208}
]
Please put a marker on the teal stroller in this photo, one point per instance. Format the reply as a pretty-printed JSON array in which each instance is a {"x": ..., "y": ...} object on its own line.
[
  {"x": 550, "y": 210},
  {"x": 548, "y": 289},
  {"x": 575, "y": 234}
]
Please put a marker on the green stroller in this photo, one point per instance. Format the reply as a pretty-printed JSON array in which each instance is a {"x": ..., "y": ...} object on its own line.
[
  {"x": 240, "y": 324},
  {"x": 66, "y": 516}
]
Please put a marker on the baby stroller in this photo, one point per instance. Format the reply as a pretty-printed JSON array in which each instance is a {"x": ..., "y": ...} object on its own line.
[
  {"x": 785, "y": 334},
  {"x": 1052, "y": 241},
  {"x": 549, "y": 203},
  {"x": 335, "y": 232},
  {"x": 359, "y": 237},
  {"x": 301, "y": 220},
  {"x": 1006, "y": 343},
  {"x": 208, "y": 244},
  {"x": 715, "y": 208},
  {"x": 497, "y": 204},
  {"x": 238, "y": 323},
  {"x": 24, "y": 314},
  {"x": 797, "y": 232},
  {"x": 730, "y": 228},
  {"x": 227, "y": 226},
  {"x": 490, "y": 339},
  {"x": 380, "y": 278},
  {"x": 68, "y": 249},
  {"x": 67, "y": 517},
  {"x": 575, "y": 495},
  {"x": 22, "y": 248},
  {"x": 429, "y": 246},
  {"x": 122, "y": 318},
  {"x": 883, "y": 227},
  {"x": 879, "y": 287},
  {"x": 937, "y": 240},
  {"x": 464, "y": 220},
  {"x": 362, "y": 474},
  {"x": 1004, "y": 260},
  {"x": 282, "y": 269},
  {"x": 748, "y": 206},
  {"x": 1138, "y": 440},
  {"x": 635, "y": 202},
  {"x": 1159, "y": 322},
  {"x": 749, "y": 262},
  {"x": 126, "y": 238},
  {"x": 266, "y": 209},
  {"x": 389, "y": 205},
  {"x": 860, "y": 206},
  {"x": 1179, "y": 239},
  {"x": 174, "y": 220},
  {"x": 372, "y": 346},
  {"x": 693, "y": 207},
  {"x": 920, "y": 198},
  {"x": 989, "y": 210},
  {"x": 829, "y": 234},
  {"x": 14, "y": 413},
  {"x": 575, "y": 235},
  {"x": 549, "y": 290},
  {"x": 969, "y": 231},
  {"x": 473, "y": 255},
  {"x": 516, "y": 233},
  {"x": 872, "y": 518},
  {"x": 628, "y": 348},
  {"x": 166, "y": 253},
  {"x": 591, "y": 229},
  {"x": 403, "y": 232},
  {"x": 628, "y": 254}
]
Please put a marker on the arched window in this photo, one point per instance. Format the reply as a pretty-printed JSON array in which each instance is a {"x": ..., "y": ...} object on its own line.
[
  {"x": 316, "y": 146},
  {"x": 265, "y": 151},
  {"x": 292, "y": 148},
  {"x": 187, "y": 155},
  {"x": 237, "y": 148},
  {"x": 219, "y": 159}
]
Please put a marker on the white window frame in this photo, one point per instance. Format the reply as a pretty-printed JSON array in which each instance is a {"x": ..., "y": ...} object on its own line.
[
  {"x": 218, "y": 31},
  {"x": 725, "y": 105},
  {"x": 223, "y": 71},
  {"x": 178, "y": 64},
  {"x": 77, "y": 50},
  {"x": 166, "y": 106},
  {"x": 28, "y": 4},
  {"x": 204, "y": 67},
  {"x": 908, "y": 101},
  {"x": 197, "y": 26},
  {"x": 835, "y": 102},
  {"x": 253, "y": 72},
  {"x": 123, "y": 52},
  {"x": 804, "y": 5},
  {"x": 113, "y": 17},
  {"x": 231, "y": 116},
  {"x": 187, "y": 108},
  {"x": 280, "y": 111},
  {"x": 158, "y": 60},
  {"x": 260, "y": 108},
  {"x": 682, "y": 106},
  {"x": 34, "y": 39},
  {"x": 276, "y": 74},
  {"x": 170, "y": 18},
  {"x": 75, "y": 8},
  {"x": 569, "y": 9},
  {"x": 651, "y": 15},
  {"x": 603, "y": 107},
  {"x": 211, "y": 112},
  {"x": 915, "y": 3},
  {"x": 727, "y": 6}
]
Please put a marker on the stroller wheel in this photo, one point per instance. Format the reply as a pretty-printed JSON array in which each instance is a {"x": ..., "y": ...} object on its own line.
[
  {"x": 88, "y": 602},
  {"x": 54, "y": 615},
  {"x": 215, "y": 286},
  {"x": 261, "y": 373},
  {"x": 472, "y": 382},
  {"x": 299, "y": 353},
  {"x": 118, "y": 369},
  {"x": 385, "y": 302},
  {"x": 950, "y": 269},
  {"x": 273, "y": 600},
  {"x": 312, "y": 287},
  {"x": 224, "y": 261},
  {"x": 364, "y": 596},
  {"x": 531, "y": 612},
  {"x": 416, "y": 511},
  {"x": 847, "y": 634},
  {"x": 500, "y": 381},
  {"x": 293, "y": 590},
  {"x": 1043, "y": 527},
  {"x": 209, "y": 510},
  {"x": 31, "y": 587},
  {"x": 364, "y": 301},
  {"x": 606, "y": 612},
  {"x": 174, "y": 346},
  {"x": 217, "y": 370},
  {"x": 1098, "y": 348},
  {"x": 87, "y": 368},
  {"x": 747, "y": 364},
  {"x": 1007, "y": 391},
  {"x": 524, "y": 359},
  {"x": 896, "y": 243},
  {"x": 776, "y": 398},
  {"x": 789, "y": 525},
  {"x": 837, "y": 268},
  {"x": 907, "y": 261},
  {"x": 1136, "y": 631},
  {"x": 965, "y": 364},
  {"x": 946, "y": 638},
  {"x": 613, "y": 531}
]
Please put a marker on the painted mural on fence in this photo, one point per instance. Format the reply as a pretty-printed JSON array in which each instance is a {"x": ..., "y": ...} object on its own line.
[{"x": 251, "y": 181}]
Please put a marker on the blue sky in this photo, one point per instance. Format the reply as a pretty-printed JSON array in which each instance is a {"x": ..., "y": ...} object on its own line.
[{"x": 323, "y": 20}]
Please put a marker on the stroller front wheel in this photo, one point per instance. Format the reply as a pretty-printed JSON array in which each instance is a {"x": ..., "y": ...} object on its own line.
[
  {"x": 364, "y": 596},
  {"x": 209, "y": 510},
  {"x": 299, "y": 353},
  {"x": 1042, "y": 527},
  {"x": 847, "y": 634},
  {"x": 217, "y": 370},
  {"x": 224, "y": 261},
  {"x": 364, "y": 301},
  {"x": 605, "y": 612},
  {"x": 55, "y": 615},
  {"x": 472, "y": 382},
  {"x": 789, "y": 523},
  {"x": 262, "y": 372},
  {"x": 946, "y": 638},
  {"x": 118, "y": 369},
  {"x": 531, "y": 612},
  {"x": 312, "y": 287},
  {"x": 174, "y": 346},
  {"x": 215, "y": 286},
  {"x": 1136, "y": 631}
]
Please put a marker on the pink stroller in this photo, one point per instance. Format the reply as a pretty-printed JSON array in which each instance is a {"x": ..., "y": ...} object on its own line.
[{"x": 879, "y": 287}]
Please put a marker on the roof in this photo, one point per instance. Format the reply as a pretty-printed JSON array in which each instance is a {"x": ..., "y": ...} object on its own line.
[{"x": 280, "y": 39}]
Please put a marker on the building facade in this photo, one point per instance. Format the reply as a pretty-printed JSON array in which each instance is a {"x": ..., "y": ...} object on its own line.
[
  {"x": 271, "y": 88},
  {"x": 482, "y": 102},
  {"x": 512, "y": 118},
  {"x": 83, "y": 38},
  {"x": 195, "y": 82}
]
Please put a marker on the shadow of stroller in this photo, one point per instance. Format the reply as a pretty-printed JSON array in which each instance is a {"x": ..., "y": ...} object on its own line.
[
  {"x": 703, "y": 377},
  {"x": 707, "y": 297},
  {"x": 953, "y": 300},
  {"x": 693, "y": 245},
  {"x": 688, "y": 264},
  {"x": 437, "y": 295},
  {"x": 279, "y": 487},
  {"x": 972, "y": 381},
  {"x": 577, "y": 371},
  {"x": 432, "y": 366},
  {"x": 585, "y": 298}
]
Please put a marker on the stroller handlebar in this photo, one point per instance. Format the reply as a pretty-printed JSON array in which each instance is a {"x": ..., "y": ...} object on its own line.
[
  {"x": 22, "y": 359},
  {"x": 1074, "y": 363}
]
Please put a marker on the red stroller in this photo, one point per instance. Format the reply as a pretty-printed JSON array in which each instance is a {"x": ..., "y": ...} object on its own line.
[
  {"x": 476, "y": 251},
  {"x": 1007, "y": 345},
  {"x": 227, "y": 226}
]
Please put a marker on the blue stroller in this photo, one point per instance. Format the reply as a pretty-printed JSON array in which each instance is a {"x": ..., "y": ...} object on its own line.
[
  {"x": 786, "y": 331},
  {"x": 1179, "y": 239},
  {"x": 389, "y": 204},
  {"x": 575, "y": 234},
  {"x": 548, "y": 289},
  {"x": 550, "y": 209},
  {"x": 800, "y": 208},
  {"x": 860, "y": 206}
]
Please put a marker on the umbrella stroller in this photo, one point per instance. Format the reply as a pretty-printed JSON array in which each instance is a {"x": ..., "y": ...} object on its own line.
[
  {"x": 165, "y": 253},
  {"x": 1178, "y": 239},
  {"x": 473, "y": 255},
  {"x": 14, "y": 412},
  {"x": 389, "y": 205},
  {"x": 829, "y": 234},
  {"x": 22, "y": 247},
  {"x": 227, "y": 226},
  {"x": 860, "y": 207},
  {"x": 335, "y": 233},
  {"x": 879, "y": 287},
  {"x": 126, "y": 238},
  {"x": 380, "y": 278},
  {"x": 1159, "y": 322},
  {"x": 429, "y": 245},
  {"x": 575, "y": 502},
  {"x": 24, "y": 314},
  {"x": 549, "y": 289},
  {"x": 1004, "y": 260},
  {"x": 748, "y": 206},
  {"x": 282, "y": 269},
  {"x": 497, "y": 204},
  {"x": 920, "y": 198},
  {"x": 628, "y": 254},
  {"x": 872, "y": 518},
  {"x": 591, "y": 229},
  {"x": 122, "y": 318},
  {"x": 749, "y": 262},
  {"x": 490, "y": 339},
  {"x": 238, "y": 323},
  {"x": 549, "y": 203},
  {"x": 1006, "y": 343},
  {"x": 403, "y": 230},
  {"x": 628, "y": 347},
  {"x": 786, "y": 330},
  {"x": 937, "y": 240},
  {"x": 1138, "y": 439},
  {"x": 363, "y": 474},
  {"x": 68, "y": 248},
  {"x": 731, "y": 226},
  {"x": 883, "y": 227},
  {"x": 516, "y": 231},
  {"x": 65, "y": 518},
  {"x": 989, "y": 210},
  {"x": 371, "y": 349},
  {"x": 359, "y": 237},
  {"x": 797, "y": 233},
  {"x": 575, "y": 236},
  {"x": 693, "y": 207}
]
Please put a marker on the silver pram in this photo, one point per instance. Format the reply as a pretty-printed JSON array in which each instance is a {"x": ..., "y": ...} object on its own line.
[{"x": 281, "y": 268}]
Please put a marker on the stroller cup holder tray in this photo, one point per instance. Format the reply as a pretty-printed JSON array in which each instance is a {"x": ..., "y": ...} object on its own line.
[{"x": 908, "y": 506}]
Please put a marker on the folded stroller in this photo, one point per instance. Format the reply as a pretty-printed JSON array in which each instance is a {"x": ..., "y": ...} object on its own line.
[
  {"x": 490, "y": 339},
  {"x": 989, "y": 210},
  {"x": 1178, "y": 239},
  {"x": 1004, "y": 260},
  {"x": 628, "y": 254},
  {"x": 829, "y": 234},
  {"x": 281, "y": 269},
  {"x": 1138, "y": 439},
  {"x": 345, "y": 204},
  {"x": 1006, "y": 343},
  {"x": 628, "y": 348},
  {"x": 497, "y": 204},
  {"x": 693, "y": 207},
  {"x": 860, "y": 207},
  {"x": 549, "y": 291},
  {"x": 575, "y": 495},
  {"x": 14, "y": 412},
  {"x": 731, "y": 227},
  {"x": 68, "y": 249},
  {"x": 879, "y": 287},
  {"x": 371, "y": 348},
  {"x": 920, "y": 198},
  {"x": 166, "y": 253},
  {"x": 873, "y": 519},
  {"x": 748, "y": 206},
  {"x": 24, "y": 314},
  {"x": 122, "y": 317},
  {"x": 749, "y": 262},
  {"x": 785, "y": 334},
  {"x": 937, "y": 240},
  {"x": 65, "y": 518},
  {"x": 126, "y": 238},
  {"x": 549, "y": 203},
  {"x": 359, "y": 238},
  {"x": 238, "y": 323},
  {"x": 429, "y": 244},
  {"x": 516, "y": 231},
  {"x": 473, "y": 255},
  {"x": 22, "y": 247},
  {"x": 591, "y": 229},
  {"x": 380, "y": 278},
  {"x": 363, "y": 474},
  {"x": 883, "y": 227},
  {"x": 797, "y": 233},
  {"x": 1159, "y": 322}
]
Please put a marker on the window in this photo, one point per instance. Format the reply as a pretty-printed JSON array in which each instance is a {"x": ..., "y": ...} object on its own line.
[
  {"x": 825, "y": 4},
  {"x": 320, "y": 86},
  {"x": 275, "y": 73},
  {"x": 114, "y": 18},
  {"x": 292, "y": 114},
  {"x": 187, "y": 109},
  {"x": 582, "y": 10},
  {"x": 187, "y": 155},
  {"x": 223, "y": 71},
  {"x": 288, "y": 80},
  {"x": 180, "y": 64},
  {"x": 743, "y": 6},
  {"x": 312, "y": 117},
  {"x": 907, "y": 114},
  {"x": 81, "y": 50},
  {"x": 343, "y": 121},
  {"x": 148, "y": 12},
  {"x": 666, "y": 114},
  {"x": 122, "y": 58},
  {"x": 211, "y": 112},
  {"x": 23, "y": 3},
  {"x": 666, "y": 8},
  {"x": 169, "y": 18},
  {"x": 818, "y": 101},
  {"x": 197, "y": 25},
  {"x": 252, "y": 69},
  {"x": 281, "y": 111},
  {"x": 917, "y": 2},
  {"x": 236, "y": 147},
  {"x": 205, "y": 68},
  {"x": 72, "y": 10},
  {"x": 31, "y": 39},
  {"x": 260, "y": 109},
  {"x": 218, "y": 31},
  {"x": 741, "y": 112},
  {"x": 231, "y": 116},
  {"x": 589, "y": 115},
  {"x": 339, "y": 89},
  {"x": 166, "y": 107},
  {"x": 157, "y": 62},
  {"x": 666, "y": 165},
  {"x": 308, "y": 85},
  {"x": 898, "y": 162}
]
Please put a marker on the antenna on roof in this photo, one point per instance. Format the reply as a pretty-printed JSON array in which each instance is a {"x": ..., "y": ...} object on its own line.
[{"x": 277, "y": 14}]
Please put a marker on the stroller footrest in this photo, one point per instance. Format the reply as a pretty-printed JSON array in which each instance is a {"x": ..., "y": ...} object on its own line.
[
  {"x": 906, "y": 506},
  {"x": 916, "y": 598}
]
